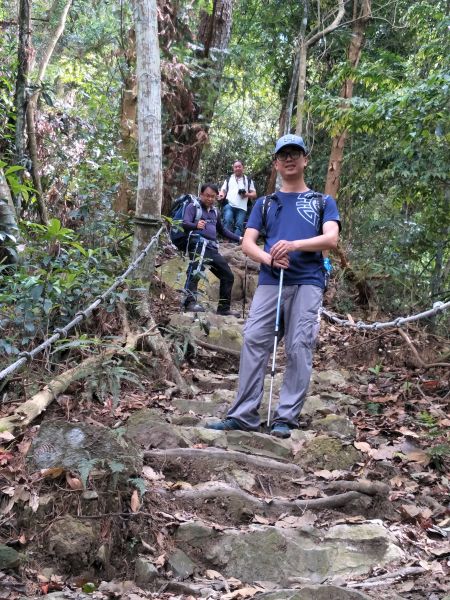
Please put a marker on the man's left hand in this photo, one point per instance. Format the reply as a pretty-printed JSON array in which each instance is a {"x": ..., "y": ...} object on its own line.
[{"x": 282, "y": 248}]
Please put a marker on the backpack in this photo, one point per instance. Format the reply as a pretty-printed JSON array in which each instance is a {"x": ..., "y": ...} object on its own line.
[{"x": 178, "y": 235}]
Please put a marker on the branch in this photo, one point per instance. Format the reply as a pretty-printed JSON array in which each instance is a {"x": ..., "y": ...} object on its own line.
[
  {"x": 217, "y": 348},
  {"x": 310, "y": 41},
  {"x": 52, "y": 43}
]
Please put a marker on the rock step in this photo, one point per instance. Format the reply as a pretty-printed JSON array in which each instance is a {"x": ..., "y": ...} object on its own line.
[{"x": 260, "y": 553}]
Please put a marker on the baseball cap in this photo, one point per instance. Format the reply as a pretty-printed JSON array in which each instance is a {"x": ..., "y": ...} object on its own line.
[{"x": 291, "y": 140}]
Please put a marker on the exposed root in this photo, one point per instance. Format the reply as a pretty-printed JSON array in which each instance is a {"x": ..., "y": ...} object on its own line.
[
  {"x": 225, "y": 455},
  {"x": 364, "y": 486},
  {"x": 222, "y": 490}
]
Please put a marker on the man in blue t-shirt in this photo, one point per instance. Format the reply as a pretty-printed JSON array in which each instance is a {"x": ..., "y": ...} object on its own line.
[{"x": 293, "y": 242}]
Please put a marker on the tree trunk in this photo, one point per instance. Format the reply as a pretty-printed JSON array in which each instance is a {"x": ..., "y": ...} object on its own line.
[
  {"x": 32, "y": 107},
  {"x": 123, "y": 202},
  {"x": 333, "y": 180},
  {"x": 184, "y": 155},
  {"x": 306, "y": 43},
  {"x": 8, "y": 224},
  {"x": 148, "y": 75},
  {"x": 21, "y": 94}
]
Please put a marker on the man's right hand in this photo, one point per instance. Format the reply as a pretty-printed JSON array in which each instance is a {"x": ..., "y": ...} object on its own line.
[
  {"x": 201, "y": 224},
  {"x": 278, "y": 263}
]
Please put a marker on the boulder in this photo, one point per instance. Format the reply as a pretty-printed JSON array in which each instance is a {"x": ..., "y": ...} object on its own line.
[
  {"x": 278, "y": 555},
  {"x": 324, "y": 452},
  {"x": 72, "y": 542},
  {"x": 145, "y": 572},
  {"x": 180, "y": 564},
  {"x": 335, "y": 425},
  {"x": 9, "y": 558},
  {"x": 80, "y": 447},
  {"x": 316, "y": 592},
  {"x": 225, "y": 332}
]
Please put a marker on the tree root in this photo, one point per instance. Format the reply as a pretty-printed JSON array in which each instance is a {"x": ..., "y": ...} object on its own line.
[
  {"x": 419, "y": 359},
  {"x": 225, "y": 455},
  {"x": 222, "y": 490},
  {"x": 363, "y": 486},
  {"x": 215, "y": 348}
]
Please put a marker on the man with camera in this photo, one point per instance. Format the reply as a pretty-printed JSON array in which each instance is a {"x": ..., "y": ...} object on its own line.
[{"x": 234, "y": 195}]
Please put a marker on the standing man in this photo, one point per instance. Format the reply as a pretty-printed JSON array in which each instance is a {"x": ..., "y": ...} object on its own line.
[
  {"x": 205, "y": 230},
  {"x": 293, "y": 242},
  {"x": 238, "y": 189}
]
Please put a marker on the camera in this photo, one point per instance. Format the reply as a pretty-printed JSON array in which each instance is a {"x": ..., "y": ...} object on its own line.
[{"x": 242, "y": 192}]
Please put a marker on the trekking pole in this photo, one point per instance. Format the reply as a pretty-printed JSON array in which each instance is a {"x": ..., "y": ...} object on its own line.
[
  {"x": 244, "y": 299},
  {"x": 275, "y": 342}
]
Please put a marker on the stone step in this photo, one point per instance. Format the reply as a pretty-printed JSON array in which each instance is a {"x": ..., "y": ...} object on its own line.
[{"x": 259, "y": 553}]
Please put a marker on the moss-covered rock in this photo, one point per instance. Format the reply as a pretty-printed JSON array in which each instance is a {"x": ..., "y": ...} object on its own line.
[{"x": 324, "y": 452}]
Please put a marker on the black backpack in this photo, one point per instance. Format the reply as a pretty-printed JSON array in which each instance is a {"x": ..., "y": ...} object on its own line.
[{"x": 178, "y": 235}]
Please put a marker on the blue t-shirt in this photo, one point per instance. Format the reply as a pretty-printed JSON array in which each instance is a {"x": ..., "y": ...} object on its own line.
[{"x": 294, "y": 217}]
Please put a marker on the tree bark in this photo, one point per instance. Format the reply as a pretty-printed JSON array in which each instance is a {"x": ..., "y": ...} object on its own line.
[
  {"x": 25, "y": 52},
  {"x": 8, "y": 223},
  {"x": 32, "y": 107},
  {"x": 304, "y": 45},
  {"x": 192, "y": 127},
  {"x": 148, "y": 75},
  {"x": 360, "y": 21},
  {"x": 123, "y": 202}
]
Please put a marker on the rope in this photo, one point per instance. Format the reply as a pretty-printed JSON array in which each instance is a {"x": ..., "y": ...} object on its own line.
[
  {"x": 398, "y": 322},
  {"x": 25, "y": 357}
]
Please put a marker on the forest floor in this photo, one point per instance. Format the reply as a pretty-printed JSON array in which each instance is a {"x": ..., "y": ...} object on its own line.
[{"x": 353, "y": 506}]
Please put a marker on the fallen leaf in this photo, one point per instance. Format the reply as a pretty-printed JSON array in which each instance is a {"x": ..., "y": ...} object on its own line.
[
  {"x": 261, "y": 520},
  {"x": 34, "y": 501},
  {"x": 311, "y": 492},
  {"x": 245, "y": 592},
  {"x": 135, "y": 503},
  {"x": 363, "y": 446},
  {"x": 410, "y": 511},
  {"x": 74, "y": 483},
  {"x": 211, "y": 574},
  {"x": 53, "y": 472},
  {"x": 161, "y": 560},
  {"x": 151, "y": 474}
]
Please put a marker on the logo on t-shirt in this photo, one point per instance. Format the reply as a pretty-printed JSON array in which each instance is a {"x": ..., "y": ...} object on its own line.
[{"x": 308, "y": 209}]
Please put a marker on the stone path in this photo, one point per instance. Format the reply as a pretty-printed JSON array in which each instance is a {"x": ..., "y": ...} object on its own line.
[{"x": 247, "y": 507}]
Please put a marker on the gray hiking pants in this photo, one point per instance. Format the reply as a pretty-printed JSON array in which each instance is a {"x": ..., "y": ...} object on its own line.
[{"x": 299, "y": 322}]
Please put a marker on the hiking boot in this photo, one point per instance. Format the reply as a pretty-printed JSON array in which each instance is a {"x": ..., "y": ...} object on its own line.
[
  {"x": 228, "y": 424},
  {"x": 280, "y": 430},
  {"x": 193, "y": 307},
  {"x": 226, "y": 312}
]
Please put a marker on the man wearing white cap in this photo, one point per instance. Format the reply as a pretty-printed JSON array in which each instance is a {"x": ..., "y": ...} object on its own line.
[{"x": 298, "y": 224}]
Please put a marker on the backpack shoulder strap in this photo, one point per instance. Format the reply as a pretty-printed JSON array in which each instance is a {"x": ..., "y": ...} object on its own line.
[
  {"x": 227, "y": 184},
  {"x": 265, "y": 207},
  {"x": 198, "y": 209}
]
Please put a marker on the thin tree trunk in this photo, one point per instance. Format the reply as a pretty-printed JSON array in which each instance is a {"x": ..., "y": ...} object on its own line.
[
  {"x": 123, "y": 201},
  {"x": 32, "y": 107},
  {"x": 148, "y": 75},
  {"x": 21, "y": 93},
  {"x": 8, "y": 223},
  {"x": 305, "y": 44},
  {"x": 333, "y": 180}
]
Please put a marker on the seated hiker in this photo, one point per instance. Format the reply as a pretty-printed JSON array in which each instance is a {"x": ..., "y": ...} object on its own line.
[
  {"x": 237, "y": 190},
  {"x": 203, "y": 248}
]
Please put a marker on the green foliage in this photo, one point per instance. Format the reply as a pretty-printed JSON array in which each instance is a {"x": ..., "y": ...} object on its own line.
[{"x": 108, "y": 382}]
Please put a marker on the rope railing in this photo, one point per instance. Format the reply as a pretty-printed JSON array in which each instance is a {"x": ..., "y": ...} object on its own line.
[
  {"x": 25, "y": 357},
  {"x": 398, "y": 322}
]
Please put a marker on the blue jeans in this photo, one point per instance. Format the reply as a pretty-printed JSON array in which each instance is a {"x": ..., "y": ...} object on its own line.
[{"x": 233, "y": 219}]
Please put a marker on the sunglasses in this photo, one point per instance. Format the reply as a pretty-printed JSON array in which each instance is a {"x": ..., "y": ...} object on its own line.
[{"x": 283, "y": 155}]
